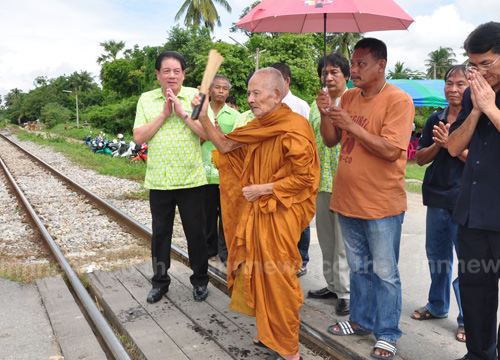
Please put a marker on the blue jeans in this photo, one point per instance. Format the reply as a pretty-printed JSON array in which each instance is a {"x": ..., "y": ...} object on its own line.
[
  {"x": 372, "y": 248},
  {"x": 305, "y": 239},
  {"x": 441, "y": 236}
]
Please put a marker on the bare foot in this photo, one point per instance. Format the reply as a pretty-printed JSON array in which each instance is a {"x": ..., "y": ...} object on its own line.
[
  {"x": 461, "y": 333},
  {"x": 337, "y": 327},
  {"x": 382, "y": 352}
]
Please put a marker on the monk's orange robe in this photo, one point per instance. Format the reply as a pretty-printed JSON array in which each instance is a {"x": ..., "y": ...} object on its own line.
[{"x": 280, "y": 149}]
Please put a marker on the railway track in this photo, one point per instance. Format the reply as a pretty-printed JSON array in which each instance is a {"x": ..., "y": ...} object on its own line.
[{"x": 82, "y": 253}]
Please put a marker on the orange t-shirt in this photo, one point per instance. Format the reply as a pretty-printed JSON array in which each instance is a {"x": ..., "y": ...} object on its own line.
[{"x": 366, "y": 186}]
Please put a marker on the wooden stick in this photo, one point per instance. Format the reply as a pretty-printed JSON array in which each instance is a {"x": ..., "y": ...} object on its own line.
[{"x": 213, "y": 64}]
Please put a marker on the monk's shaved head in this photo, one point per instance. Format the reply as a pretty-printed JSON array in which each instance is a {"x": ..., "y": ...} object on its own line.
[
  {"x": 266, "y": 89},
  {"x": 272, "y": 79}
]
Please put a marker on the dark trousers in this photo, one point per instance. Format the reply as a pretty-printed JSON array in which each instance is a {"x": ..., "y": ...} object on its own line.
[
  {"x": 215, "y": 233},
  {"x": 479, "y": 271},
  {"x": 190, "y": 204}
]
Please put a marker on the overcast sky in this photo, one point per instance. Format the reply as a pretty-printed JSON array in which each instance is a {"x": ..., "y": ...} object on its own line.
[{"x": 58, "y": 37}]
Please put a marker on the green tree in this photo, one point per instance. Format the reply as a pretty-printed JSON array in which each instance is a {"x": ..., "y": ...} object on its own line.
[
  {"x": 439, "y": 61},
  {"x": 53, "y": 114},
  {"x": 400, "y": 72},
  {"x": 117, "y": 78},
  {"x": 202, "y": 11},
  {"x": 112, "y": 48},
  {"x": 343, "y": 42},
  {"x": 190, "y": 42}
]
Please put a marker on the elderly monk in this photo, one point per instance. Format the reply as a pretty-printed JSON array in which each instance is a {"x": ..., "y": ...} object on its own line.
[{"x": 269, "y": 179}]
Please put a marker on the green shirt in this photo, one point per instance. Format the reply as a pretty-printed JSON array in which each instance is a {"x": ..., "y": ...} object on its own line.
[
  {"x": 174, "y": 156},
  {"x": 226, "y": 117},
  {"x": 328, "y": 157},
  {"x": 243, "y": 119}
]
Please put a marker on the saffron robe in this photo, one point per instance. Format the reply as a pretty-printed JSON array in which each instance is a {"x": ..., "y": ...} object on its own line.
[{"x": 263, "y": 234}]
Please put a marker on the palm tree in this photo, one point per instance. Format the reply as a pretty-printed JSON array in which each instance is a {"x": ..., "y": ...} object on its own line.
[
  {"x": 343, "y": 42},
  {"x": 400, "y": 72},
  {"x": 83, "y": 81},
  {"x": 201, "y": 11},
  {"x": 112, "y": 49},
  {"x": 439, "y": 61}
]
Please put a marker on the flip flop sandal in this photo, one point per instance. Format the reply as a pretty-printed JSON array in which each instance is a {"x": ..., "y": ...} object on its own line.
[
  {"x": 277, "y": 356},
  {"x": 259, "y": 343},
  {"x": 384, "y": 345},
  {"x": 460, "y": 330},
  {"x": 346, "y": 328},
  {"x": 425, "y": 315}
]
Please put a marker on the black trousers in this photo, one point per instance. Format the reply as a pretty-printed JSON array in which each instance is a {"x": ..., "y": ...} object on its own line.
[
  {"x": 479, "y": 271},
  {"x": 190, "y": 204},
  {"x": 215, "y": 233}
]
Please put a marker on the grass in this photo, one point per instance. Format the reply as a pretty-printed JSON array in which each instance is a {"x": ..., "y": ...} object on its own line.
[
  {"x": 80, "y": 154},
  {"x": 69, "y": 140}
]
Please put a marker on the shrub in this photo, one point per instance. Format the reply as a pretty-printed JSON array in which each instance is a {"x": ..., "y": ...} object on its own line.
[{"x": 53, "y": 114}]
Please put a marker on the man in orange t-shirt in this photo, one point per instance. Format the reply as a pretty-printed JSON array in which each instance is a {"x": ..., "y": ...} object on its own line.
[
  {"x": 269, "y": 178},
  {"x": 374, "y": 122}
]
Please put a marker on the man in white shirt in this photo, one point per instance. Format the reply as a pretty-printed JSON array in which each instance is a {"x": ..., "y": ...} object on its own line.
[{"x": 300, "y": 107}]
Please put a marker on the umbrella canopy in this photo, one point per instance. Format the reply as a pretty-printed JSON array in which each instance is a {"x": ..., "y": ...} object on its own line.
[
  {"x": 306, "y": 16},
  {"x": 423, "y": 92}
]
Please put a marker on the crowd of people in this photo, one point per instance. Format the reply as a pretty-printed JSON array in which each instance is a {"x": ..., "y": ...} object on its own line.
[{"x": 248, "y": 185}]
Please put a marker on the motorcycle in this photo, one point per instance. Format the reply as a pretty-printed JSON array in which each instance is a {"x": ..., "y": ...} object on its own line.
[{"x": 142, "y": 153}]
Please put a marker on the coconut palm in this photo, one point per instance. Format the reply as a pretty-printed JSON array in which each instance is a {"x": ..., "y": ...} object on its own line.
[
  {"x": 112, "y": 49},
  {"x": 439, "y": 61},
  {"x": 201, "y": 11},
  {"x": 343, "y": 42}
]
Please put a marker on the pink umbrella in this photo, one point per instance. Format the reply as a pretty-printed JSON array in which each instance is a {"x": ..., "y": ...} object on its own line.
[{"x": 306, "y": 16}]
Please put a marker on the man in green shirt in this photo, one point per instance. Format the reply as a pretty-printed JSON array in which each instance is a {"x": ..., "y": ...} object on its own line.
[
  {"x": 225, "y": 116},
  {"x": 335, "y": 267},
  {"x": 175, "y": 173}
]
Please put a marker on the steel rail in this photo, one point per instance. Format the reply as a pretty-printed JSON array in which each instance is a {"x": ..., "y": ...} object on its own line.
[
  {"x": 307, "y": 334},
  {"x": 114, "y": 345}
]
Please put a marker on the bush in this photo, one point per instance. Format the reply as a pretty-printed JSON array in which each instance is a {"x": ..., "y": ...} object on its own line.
[
  {"x": 53, "y": 114},
  {"x": 114, "y": 118}
]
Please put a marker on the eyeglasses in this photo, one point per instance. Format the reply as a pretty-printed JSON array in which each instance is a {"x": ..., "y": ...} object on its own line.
[{"x": 483, "y": 67}]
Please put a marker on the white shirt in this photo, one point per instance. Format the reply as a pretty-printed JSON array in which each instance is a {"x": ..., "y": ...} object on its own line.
[{"x": 297, "y": 104}]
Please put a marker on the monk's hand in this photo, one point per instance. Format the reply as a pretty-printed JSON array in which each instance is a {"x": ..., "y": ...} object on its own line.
[
  {"x": 203, "y": 117},
  {"x": 217, "y": 126},
  {"x": 324, "y": 102},
  {"x": 254, "y": 192},
  {"x": 440, "y": 137}
]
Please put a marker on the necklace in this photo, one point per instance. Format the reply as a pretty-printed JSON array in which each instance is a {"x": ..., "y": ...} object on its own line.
[{"x": 382, "y": 88}]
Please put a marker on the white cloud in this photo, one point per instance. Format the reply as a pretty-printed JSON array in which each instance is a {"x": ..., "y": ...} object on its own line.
[
  {"x": 56, "y": 37},
  {"x": 443, "y": 28}
]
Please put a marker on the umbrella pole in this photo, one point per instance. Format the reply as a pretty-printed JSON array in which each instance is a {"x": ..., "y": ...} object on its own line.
[{"x": 324, "y": 51}]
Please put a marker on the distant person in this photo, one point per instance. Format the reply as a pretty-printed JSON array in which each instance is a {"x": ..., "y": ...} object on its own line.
[
  {"x": 439, "y": 193},
  {"x": 478, "y": 205},
  {"x": 231, "y": 102},
  {"x": 335, "y": 266},
  {"x": 175, "y": 173},
  {"x": 374, "y": 122},
  {"x": 269, "y": 174},
  {"x": 224, "y": 117},
  {"x": 300, "y": 107}
]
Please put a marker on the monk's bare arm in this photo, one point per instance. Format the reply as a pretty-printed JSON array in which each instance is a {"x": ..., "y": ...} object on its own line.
[
  {"x": 254, "y": 192},
  {"x": 208, "y": 130}
]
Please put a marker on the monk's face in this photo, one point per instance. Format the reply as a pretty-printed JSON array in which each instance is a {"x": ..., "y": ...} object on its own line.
[{"x": 263, "y": 97}]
